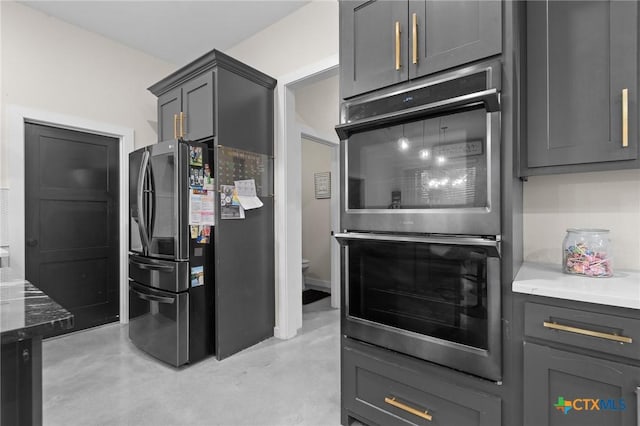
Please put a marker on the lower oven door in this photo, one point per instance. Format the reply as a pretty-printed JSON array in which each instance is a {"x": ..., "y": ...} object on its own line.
[
  {"x": 159, "y": 323},
  {"x": 437, "y": 299}
]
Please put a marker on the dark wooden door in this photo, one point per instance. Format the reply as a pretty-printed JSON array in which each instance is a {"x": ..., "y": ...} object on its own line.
[
  {"x": 71, "y": 221},
  {"x": 370, "y": 46},
  {"x": 452, "y": 33}
]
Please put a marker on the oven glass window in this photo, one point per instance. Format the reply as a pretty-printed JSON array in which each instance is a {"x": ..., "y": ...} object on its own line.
[
  {"x": 439, "y": 162},
  {"x": 432, "y": 289}
]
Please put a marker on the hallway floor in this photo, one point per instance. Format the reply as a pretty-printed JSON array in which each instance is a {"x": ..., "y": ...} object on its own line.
[{"x": 98, "y": 377}]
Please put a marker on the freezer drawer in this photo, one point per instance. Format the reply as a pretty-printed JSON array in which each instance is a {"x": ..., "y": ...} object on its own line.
[
  {"x": 160, "y": 274},
  {"x": 159, "y": 323}
]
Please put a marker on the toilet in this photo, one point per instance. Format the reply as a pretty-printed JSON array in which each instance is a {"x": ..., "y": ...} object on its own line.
[{"x": 305, "y": 266}]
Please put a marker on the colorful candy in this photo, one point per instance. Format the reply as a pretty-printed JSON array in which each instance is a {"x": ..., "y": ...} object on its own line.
[{"x": 580, "y": 259}]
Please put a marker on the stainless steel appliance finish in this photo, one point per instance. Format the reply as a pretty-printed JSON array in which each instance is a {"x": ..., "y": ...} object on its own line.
[
  {"x": 158, "y": 201},
  {"x": 159, "y": 323},
  {"x": 160, "y": 274},
  {"x": 424, "y": 158},
  {"x": 434, "y": 298},
  {"x": 170, "y": 312}
]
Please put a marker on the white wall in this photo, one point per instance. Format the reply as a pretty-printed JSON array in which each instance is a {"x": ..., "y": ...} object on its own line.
[
  {"x": 307, "y": 36},
  {"x": 53, "y": 66},
  {"x": 608, "y": 200},
  {"x": 318, "y": 104},
  {"x": 316, "y": 213}
]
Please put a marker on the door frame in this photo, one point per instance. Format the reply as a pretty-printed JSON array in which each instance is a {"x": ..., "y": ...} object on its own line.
[
  {"x": 16, "y": 118},
  {"x": 288, "y": 200}
]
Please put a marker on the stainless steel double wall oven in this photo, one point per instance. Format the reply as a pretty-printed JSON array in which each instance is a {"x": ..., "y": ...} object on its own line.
[{"x": 420, "y": 219}]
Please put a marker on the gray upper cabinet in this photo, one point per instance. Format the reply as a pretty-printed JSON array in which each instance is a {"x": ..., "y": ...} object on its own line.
[
  {"x": 169, "y": 107},
  {"x": 582, "y": 82},
  {"x": 388, "y": 42},
  {"x": 186, "y": 112}
]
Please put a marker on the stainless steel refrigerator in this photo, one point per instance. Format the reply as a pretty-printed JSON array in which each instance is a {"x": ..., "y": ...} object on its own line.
[{"x": 170, "y": 268}]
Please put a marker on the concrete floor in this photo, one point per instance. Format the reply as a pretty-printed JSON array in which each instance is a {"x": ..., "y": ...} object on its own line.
[{"x": 98, "y": 377}]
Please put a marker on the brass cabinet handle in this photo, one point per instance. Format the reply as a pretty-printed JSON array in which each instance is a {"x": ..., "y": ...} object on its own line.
[
  {"x": 415, "y": 38},
  {"x": 625, "y": 118},
  {"x": 182, "y": 116},
  {"x": 585, "y": 332},
  {"x": 175, "y": 126},
  {"x": 397, "y": 45},
  {"x": 422, "y": 414}
]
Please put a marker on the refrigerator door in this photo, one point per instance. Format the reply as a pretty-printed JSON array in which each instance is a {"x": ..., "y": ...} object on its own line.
[
  {"x": 159, "y": 323},
  {"x": 160, "y": 274},
  {"x": 168, "y": 207},
  {"x": 138, "y": 227}
]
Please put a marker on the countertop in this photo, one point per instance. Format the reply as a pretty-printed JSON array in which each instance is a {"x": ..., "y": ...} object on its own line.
[
  {"x": 25, "y": 311},
  {"x": 622, "y": 290}
]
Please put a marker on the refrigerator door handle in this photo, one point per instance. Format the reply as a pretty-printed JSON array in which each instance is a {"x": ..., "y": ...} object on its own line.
[
  {"x": 140, "y": 220},
  {"x": 152, "y": 298},
  {"x": 152, "y": 266}
]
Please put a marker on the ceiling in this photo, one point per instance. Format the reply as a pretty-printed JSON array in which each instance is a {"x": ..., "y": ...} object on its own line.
[{"x": 174, "y": 31}]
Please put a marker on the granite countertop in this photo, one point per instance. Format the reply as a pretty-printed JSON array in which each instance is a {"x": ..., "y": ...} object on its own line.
[
  {"x": 623, "y": 289},
  {"x": 25, "y": 311}
]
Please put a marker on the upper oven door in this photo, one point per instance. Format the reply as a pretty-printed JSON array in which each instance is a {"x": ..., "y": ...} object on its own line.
[{"x": 434, "y": 168}]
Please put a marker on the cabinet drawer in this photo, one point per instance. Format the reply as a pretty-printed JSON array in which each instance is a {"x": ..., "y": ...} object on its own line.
[
  {"x": 612, "y": 334},
  {"x": 386, "y": 393}
]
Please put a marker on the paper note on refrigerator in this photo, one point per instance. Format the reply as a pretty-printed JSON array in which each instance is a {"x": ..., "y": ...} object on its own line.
[{"x": 247, "y": 194}]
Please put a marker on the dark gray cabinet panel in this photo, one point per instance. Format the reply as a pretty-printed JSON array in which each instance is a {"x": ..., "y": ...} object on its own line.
[
  {"x": 187, "y": 111},
  {"x": 169, "y": 106},
  {"x": 387, "y": 42},
  {"x": 569, "y": 389},
  {"x": 452, "y": 33},
  {"x": 368, "y": 48},
  {"x": 385, "y": 391},
  {"x": 580, "y": 57},
  {"x": 197, "y": 105}
]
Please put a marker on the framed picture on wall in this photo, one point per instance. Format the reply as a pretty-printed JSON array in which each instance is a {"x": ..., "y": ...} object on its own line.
[{"x": 322, "y": 182}]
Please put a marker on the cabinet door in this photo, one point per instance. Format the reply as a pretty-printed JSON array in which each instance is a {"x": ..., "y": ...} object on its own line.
[
  {"x": 452, "y": 33},
  {"x": 197, "y": 105},
  {"x": 372, "y": 54},
  {"x": 169, "y": 106},
  {"x": 580, "y": 56},
  {"x": 567, "y": 389}
]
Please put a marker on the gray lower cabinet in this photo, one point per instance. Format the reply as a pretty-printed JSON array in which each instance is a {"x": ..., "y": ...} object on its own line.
[
  {"x": 570, "y": 389},
  {"x": 582, "y": 75},
  {"x": 380, "y": 388},
  {"x": 187, "y": 111},
  {"x": 387, "y": 42},
  {"x": 581, "y": 366}
]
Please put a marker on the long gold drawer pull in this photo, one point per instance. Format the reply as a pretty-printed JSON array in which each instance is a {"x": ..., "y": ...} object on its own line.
[
  {"x": 567, "y": 328},
  {"x": 397, "y": 45},
  {"x": 393, "y": 401},
  {"x": 182, "y": 116},
  {"x": 415, "y": 38},
  {"x": 625, "y": 118},
  {"x": 175, "y": 126}
]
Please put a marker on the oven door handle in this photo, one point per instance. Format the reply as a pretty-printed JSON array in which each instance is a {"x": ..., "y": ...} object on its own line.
[
  {"x": 460, "y": 241},
  {"x": 489, "y": 98}
]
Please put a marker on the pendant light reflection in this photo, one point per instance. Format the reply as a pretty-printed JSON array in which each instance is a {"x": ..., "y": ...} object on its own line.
[{"x": 403, "y": 144}]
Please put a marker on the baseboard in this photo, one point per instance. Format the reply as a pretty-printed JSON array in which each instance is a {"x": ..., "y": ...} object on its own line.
[{"x": 316, "y": 284}]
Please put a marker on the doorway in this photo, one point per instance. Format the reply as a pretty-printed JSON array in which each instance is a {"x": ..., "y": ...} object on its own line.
[
  {"x": 72, "y": 221},
  {"x": 288, "y": 189}
]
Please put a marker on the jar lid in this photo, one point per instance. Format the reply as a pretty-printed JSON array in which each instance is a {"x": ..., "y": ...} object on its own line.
[{"x": 589, "y": 230}]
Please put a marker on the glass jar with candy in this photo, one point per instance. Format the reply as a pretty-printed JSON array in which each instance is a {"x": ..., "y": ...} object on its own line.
[{"x": 587, "y": 252}]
